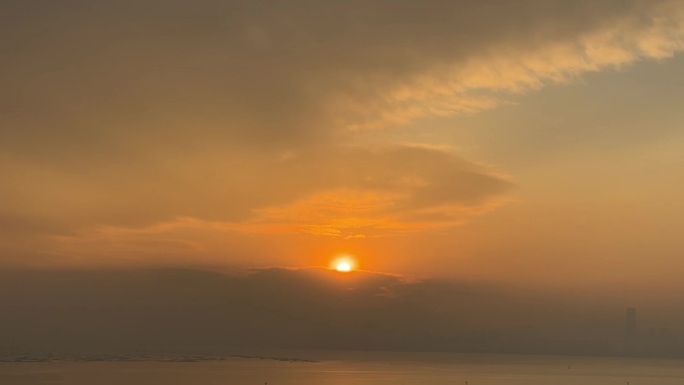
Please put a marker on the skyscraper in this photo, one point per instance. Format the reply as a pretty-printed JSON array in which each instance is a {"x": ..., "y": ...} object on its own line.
[{"x": 631, "y": 323}]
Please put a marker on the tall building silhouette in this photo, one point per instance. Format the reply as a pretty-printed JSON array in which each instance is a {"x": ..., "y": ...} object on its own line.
[{"x": 631, "y": 323}]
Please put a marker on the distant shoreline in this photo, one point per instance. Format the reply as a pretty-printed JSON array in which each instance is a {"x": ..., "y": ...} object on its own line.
[
  {"x": 285, "y": 359},
  {"x": 30, "y": 358}
]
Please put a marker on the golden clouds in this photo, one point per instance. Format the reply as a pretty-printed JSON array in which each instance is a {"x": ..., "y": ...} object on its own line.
[
  {"x": 396, "y": 190},
  {"x": 482, "y": 79},
  {"x": 349, "y": 193},
  {"x": 344, "y": 212},
  {"x": 361, "y": 214}
]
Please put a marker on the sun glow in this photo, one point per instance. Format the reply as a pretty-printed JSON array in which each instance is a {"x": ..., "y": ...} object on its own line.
[
  {"x": 343, "y": 267},
  {"x": 343, "y": 264}
]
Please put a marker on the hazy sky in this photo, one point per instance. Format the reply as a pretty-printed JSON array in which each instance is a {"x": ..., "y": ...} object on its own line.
[{"x": 533, "y": 141}]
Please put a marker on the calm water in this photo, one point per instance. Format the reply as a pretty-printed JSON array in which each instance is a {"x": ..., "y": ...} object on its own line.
[{"x": 358, "y": 369}]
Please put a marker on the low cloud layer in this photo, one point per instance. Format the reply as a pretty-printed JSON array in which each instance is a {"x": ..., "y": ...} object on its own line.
[{"x": 308, "y": 308}]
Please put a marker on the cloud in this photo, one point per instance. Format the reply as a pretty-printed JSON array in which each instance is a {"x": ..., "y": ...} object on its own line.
[
  {"x": 170, "y": 309},
  {"x": 512, "y": 58},
  {"x": 132, "y": 116},
  {"x": 286, "y": 75},
  {"x": 372, "y": 197},
  {"x": 347, "y": 193}
]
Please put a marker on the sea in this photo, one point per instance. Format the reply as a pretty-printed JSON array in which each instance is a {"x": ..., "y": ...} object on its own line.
[{"x": 355, "y": 368}]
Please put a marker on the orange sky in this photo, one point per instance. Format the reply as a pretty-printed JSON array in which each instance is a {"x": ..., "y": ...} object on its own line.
[{"x": 536, "y": 141}]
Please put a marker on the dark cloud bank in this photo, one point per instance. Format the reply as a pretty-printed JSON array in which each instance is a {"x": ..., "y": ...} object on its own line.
[{"x": 308, "y": 308}]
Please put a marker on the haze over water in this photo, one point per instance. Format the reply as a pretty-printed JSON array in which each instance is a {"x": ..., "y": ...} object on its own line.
[{"x": 345, "y": 368}]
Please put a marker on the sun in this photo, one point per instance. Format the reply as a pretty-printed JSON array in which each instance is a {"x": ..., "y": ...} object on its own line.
[
  {"x": 344, "y": 263},
  {"x": 343, "y": 267}
]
